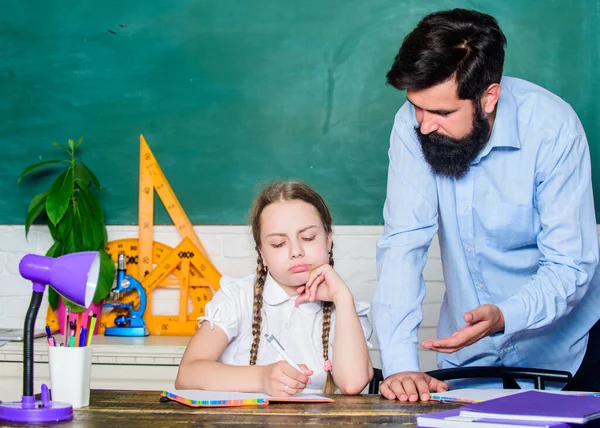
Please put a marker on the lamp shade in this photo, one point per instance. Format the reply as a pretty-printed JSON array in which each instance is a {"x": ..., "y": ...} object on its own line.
[{"x": 74, "y": 276}]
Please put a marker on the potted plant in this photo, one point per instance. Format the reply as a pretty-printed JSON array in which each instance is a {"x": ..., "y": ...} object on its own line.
[{"x": 74, "y": 215}]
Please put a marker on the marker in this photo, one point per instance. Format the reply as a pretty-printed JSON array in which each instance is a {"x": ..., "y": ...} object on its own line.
[
  {"x": 83, "y": 337},
  {"x": 91, "y": 330},
  {"x": 51, "y": 341},
  {"x": 271, "y": 339},
  {"x": 72, "y": 333}
]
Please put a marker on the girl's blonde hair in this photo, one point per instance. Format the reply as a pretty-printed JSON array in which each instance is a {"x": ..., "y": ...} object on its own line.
[{"x": 287, "y": 191}]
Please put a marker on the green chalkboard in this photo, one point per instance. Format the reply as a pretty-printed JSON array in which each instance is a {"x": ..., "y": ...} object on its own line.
[{"x": 232, "y": 93}]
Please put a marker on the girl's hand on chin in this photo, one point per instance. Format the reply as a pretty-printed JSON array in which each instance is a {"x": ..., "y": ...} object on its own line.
[{"x": 323, "y": 284}]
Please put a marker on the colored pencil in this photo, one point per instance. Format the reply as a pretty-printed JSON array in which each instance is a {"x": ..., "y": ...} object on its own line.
[
  {"x": 78, "y": 329},
  {"x": 91, "y": 330}
]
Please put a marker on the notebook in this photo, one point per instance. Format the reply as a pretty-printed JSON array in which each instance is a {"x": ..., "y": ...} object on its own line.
[
  {"x": 537, "y": 406},
  {"x": 198, "y": 398},
  {"x": 474, "y": 395},
  {"x": 452, "y": 419}
]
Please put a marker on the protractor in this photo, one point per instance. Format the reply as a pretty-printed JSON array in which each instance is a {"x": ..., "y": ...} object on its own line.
[{"x": 199, "y": 291}]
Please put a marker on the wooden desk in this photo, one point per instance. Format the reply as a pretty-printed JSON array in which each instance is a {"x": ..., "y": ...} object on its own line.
[{"x": 126, "y": 409}]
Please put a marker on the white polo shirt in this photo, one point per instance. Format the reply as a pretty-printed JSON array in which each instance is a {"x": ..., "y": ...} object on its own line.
[{"x": 299, "y": 329}]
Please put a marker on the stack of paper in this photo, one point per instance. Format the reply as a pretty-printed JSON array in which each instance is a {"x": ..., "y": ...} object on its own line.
[
  {"x": 474, "y": 395},
  {"x": 452, "y": 419},
  {"x": 525, "y": 409}
]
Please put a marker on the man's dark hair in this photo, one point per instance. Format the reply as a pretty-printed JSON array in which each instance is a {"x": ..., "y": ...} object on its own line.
[{"x": 466, "y": 44}]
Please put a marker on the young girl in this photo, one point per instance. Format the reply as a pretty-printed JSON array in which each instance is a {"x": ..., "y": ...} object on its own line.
[{"x": 296, "y": 296}]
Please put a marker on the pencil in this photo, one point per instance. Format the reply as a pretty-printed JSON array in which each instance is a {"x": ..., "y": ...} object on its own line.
[
  {"x": 67, "y": 329},
  {"x": 90, "y": 332},
  {"x": 78, "y": 329}
]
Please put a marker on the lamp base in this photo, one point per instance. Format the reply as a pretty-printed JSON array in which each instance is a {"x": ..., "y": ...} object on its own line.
[{"x": 30, "y": 410}]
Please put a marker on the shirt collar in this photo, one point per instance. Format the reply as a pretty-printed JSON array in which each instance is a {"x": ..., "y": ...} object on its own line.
[
  {"x": 505, "y": 130},
  {"x": 274, "y": 295}
]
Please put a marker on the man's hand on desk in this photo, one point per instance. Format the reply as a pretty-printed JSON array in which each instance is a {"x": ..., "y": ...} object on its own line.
[
  {"x": 482, "y": 321},
  {"x": 410, "y": 386}
]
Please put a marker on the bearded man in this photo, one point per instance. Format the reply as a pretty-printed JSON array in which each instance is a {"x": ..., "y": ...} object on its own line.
[{"x": 500, "y": 169}]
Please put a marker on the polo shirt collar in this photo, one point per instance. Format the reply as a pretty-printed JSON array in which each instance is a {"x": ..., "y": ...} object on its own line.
[{"x": 274, "y": 295}]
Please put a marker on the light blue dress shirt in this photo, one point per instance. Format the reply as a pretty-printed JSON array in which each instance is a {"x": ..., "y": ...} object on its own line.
[{"x": 518, "y": 231}]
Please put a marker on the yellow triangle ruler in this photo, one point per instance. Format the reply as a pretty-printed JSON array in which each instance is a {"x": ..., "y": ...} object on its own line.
[{"x": 152, "y": 178}]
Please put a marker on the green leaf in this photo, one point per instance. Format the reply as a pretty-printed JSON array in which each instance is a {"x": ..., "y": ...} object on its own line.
[
  {"x": 82, "y": 175},
  {"x": 65, "y": 233},
  {"x": 37, "y": 166},
  {"x": 59, "y": 197},
  {"x": 104, "y": 236},
  {"x": 91, "y": 241},
  {"x": 94, "y": 204},
  {"x": 96, "y": 216},
  {"x": 54, "y": 232},
  {"x": 106, "y": 279},
  {"x": 97, "y": 229},
  {"x": 92, "y": 228},
  {"x": 53, "y": 297},
  {"x": 85, "y": 197},
  {"x": 62, "y": 147},
  {"x": 71, "y": 144},
  {"x": 77, "y": 232},
  {"x": 74, "y": 308},
  {"x": 55, "y": 250},
  {"x": 78, "y": 142},
  {"x": 36, "y": 200},
  {"x": 37, "y": 205},
  {"x": 65, "y": 225},
  {"x": 95, "y": 181},
  {"x": 71, "y": 243}
]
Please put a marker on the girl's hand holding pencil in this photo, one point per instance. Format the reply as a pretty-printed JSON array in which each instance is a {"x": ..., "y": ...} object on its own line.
[{"x": 280, "y": 379}]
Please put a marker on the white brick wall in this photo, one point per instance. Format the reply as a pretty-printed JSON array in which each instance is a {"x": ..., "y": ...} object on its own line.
[{"x": 232, "y": 251}]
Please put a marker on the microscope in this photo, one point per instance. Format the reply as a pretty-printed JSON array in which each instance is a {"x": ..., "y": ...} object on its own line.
[{"x": 131, "y": 325}]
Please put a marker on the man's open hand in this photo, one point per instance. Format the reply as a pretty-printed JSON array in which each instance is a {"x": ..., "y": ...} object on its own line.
[{"x": 481, "y": 322}]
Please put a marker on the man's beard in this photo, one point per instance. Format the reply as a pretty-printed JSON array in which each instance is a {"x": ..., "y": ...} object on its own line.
[{"x": 452, "y": 157}]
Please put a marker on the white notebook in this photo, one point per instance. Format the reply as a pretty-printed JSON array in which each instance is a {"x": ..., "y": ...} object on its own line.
[{"x": 200, "y": 398}]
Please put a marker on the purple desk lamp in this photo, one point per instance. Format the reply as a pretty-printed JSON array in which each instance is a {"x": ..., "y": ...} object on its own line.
[{"x": 75, "y": 277}]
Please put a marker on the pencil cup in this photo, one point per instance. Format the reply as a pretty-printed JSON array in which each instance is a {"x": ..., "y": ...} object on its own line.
[{"x": 70, "y": 374}]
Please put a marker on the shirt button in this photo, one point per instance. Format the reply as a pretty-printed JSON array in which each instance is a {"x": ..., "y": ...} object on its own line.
[
  {"x": 468, "y": 249},
  {"x": 464, "y": 209},
  {"x": 287, "y": 325},
  {"x": 480, "y": 285}
]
